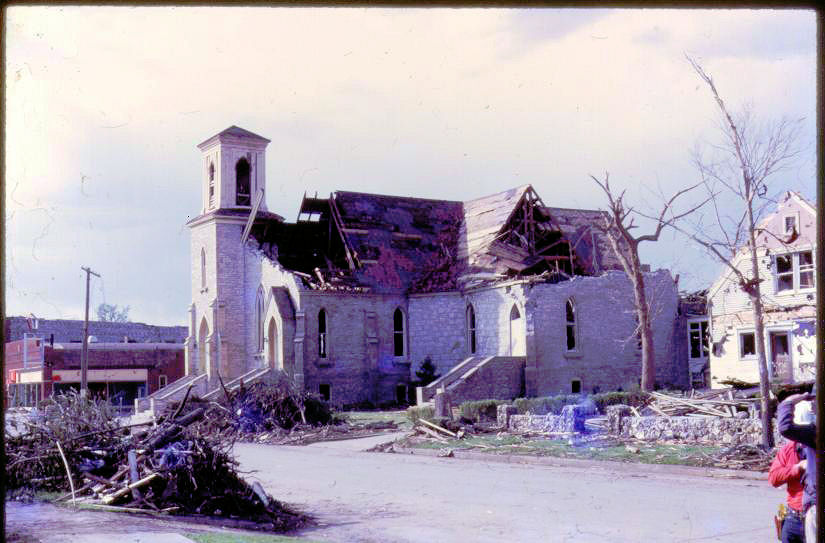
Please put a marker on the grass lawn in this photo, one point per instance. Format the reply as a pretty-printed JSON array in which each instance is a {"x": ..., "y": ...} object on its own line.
[
  {"x": 606, "y": 449},
  {"x": 398, "y": 416}
]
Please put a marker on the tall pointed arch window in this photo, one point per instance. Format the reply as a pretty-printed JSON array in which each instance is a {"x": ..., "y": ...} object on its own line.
[
  {"x": 398, "y": 343},
  {"x": 259, "y": 319},
  {"x": 471, "y": 329},
  {"x": 322, "y": 334},
  {"x": 570, "y": 325},
  {"x": 211, "y": 184},
  {"x": 203, "y": 268},
  {"x": 242, "y": 186}
]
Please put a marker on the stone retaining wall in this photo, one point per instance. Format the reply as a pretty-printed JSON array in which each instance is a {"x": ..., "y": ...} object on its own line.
[{"x": 711, "y": 430}]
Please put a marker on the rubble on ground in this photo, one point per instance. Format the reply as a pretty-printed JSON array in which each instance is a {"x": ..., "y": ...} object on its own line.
[{"x": 176, "y": 467}]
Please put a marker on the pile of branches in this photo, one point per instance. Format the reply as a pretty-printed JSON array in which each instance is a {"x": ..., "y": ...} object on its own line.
[
  {"x": 743, "y": 456},
  {"x": 272, "y": 408},
  {"x": 173, "y": 467}
]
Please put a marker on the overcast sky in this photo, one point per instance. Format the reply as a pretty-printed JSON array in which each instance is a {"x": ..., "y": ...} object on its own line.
[{"x": 104, "y": 108}]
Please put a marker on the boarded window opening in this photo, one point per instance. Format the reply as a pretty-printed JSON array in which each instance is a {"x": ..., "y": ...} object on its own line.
[
  {"x": 575, "y": 386},
  {"x": 243, "y": 196},
  {"x": 324, "y": 391},
  {"x": 322, "y": 334}
]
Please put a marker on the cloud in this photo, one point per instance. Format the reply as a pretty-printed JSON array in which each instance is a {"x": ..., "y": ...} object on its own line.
[{"x": 106, "y": 104}]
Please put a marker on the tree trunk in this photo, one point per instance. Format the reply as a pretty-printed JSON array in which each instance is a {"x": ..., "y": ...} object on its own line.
[
  {"x": 755, "y": 294},
  {"x": 645, "y": 328}
]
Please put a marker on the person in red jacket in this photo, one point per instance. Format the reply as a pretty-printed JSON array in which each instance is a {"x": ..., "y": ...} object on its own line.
[{"x": 788, "y": 468}]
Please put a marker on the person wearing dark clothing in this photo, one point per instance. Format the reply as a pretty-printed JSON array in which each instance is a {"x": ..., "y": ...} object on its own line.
[{"x": 806, "y": 435}]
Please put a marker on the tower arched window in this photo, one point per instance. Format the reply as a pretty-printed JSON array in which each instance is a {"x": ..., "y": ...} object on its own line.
[
  {"x": 259, "y": 319},
  {"x": 570, "y": 325},
  {"x": 203, "y": 268},
  {"x": 242, "y": 186},
  {"x": 211, "y": 184},
  {"x": 322, "y": 334},
  {"x": 398, "y": 340},
  {"x": 471, "y": 329}
]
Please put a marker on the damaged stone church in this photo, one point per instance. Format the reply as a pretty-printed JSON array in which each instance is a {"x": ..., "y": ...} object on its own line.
[{"x": 515, "y": 297}]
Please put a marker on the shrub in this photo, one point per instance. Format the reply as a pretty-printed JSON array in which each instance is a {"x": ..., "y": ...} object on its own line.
[
  {"x": 416, "y": 412},
  {"x": 635, "y": 398},
  {"x": 426, "y": 374},
  {"x": 546, "y": 404},
  {"x": 480, "y": 409}
]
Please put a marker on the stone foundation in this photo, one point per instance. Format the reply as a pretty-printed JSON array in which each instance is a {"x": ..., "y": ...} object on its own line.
[{"x": 709, "y": 430}]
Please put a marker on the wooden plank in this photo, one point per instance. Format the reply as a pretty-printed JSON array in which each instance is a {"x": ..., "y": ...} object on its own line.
[
  {"x": 431, "y": 433},
  {"x": 127, "y": 489},
  {"x": 437, "y": 427}
]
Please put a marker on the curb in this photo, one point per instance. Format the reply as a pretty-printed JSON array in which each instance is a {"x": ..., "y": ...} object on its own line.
[{"x": 635, "y": 468}]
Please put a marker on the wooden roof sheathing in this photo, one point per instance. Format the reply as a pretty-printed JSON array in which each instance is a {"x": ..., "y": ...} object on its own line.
[{"x": 484, "y": 219}]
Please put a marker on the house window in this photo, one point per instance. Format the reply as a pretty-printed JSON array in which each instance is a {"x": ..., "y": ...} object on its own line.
[
  {"x": 259, "y": 319},
  {"x": 790, "y": 224},
  {"x": 471, "y": 329},
  {"x": 806, "y": 269},
  {"x": 570, "y": 318},
  {"x": 242, "y": 194},
  {"x": 161, "y": 381},
  {"x": 322, "y": 334},
  {"x": 698, "y": 339},
  {"x": 398, "y": 333},
  {"x": 747, "y": 345},
  {"x": 794, "y": 271}
]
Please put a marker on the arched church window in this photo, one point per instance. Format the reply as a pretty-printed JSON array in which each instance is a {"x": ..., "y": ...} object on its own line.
[
  {"x": 203, "y": 268},
  {"x": 570, "y": 319},
  {"x": 398, "y": 333},
  {"x": 259, "y": 319},
  {"x": 471, "y": 329},
  {"x": 211, "y": 184},
  {"x": 322, "y": 334},
  {"x": 242, "y": 187}
]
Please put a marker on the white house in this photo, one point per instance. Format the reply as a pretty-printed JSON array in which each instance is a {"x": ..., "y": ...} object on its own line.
[{"x": 786, "y": 244}]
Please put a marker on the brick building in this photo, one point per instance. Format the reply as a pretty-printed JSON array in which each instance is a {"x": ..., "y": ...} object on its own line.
[
  {"x": 44, "y": 357},
  {"x": 351, "y": 298}
]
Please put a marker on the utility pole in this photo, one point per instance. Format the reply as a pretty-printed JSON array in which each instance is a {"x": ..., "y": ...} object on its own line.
[{"x": 84, "y": 356}]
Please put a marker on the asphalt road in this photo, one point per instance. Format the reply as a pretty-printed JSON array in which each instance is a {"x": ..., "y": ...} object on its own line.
[{"x": 374, "y": 497}]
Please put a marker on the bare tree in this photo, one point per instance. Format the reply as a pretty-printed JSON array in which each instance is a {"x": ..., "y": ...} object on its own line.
[
  {"x": 736, "y": 181},
  {"x": 618, "y": 221},
  {"x": 112, "y": 313}
]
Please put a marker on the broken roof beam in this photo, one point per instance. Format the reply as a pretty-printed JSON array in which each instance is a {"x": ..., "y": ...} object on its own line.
[{"x": 339, "y": 225}]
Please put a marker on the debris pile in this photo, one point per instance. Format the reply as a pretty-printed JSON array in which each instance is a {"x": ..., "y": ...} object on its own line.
[
  {"x": 264, "y": 411},
  {"x": 743, "y": 456},
  {"x": 715, "y": 403},
  {"x": 173, "y": 467}
]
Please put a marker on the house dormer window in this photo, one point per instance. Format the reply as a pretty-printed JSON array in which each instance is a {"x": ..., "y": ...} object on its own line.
[
  {"x": 243, "y": 196},
  {"x": 790, "y": 224},
  {"x": 794, "y": 271}
]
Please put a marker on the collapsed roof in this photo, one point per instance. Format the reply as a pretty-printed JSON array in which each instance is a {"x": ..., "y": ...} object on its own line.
[{"x": 370, "y": 242}]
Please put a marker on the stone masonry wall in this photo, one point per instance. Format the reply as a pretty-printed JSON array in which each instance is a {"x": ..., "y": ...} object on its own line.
[
  {"x": 712, "y": 430},
  {"x": 607, "y": 355},
  {"x": 360, "y": 364},
  {"x": 501, "y": 378},
  {"x": 438, "y": 330}
]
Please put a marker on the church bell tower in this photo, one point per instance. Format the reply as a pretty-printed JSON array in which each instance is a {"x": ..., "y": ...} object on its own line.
[{"x": 233, "y": 180}]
